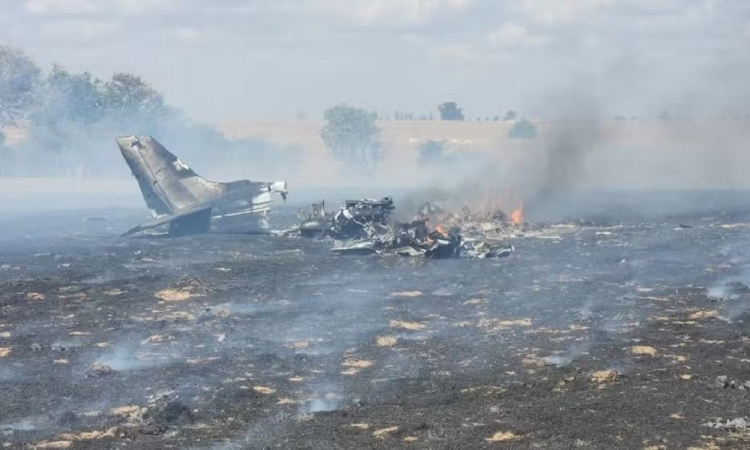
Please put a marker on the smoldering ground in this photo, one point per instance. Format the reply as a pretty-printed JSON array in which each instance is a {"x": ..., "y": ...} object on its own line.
[
  {"x": 730, "y": 294},
  {"x": 283, "y": 338}
]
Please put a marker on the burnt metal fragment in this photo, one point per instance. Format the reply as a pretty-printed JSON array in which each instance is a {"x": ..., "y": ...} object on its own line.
[
  {"x": 362, "y": 227},
  {"x": 313, "y": 221},
  {"x": 352, "y": 221}
]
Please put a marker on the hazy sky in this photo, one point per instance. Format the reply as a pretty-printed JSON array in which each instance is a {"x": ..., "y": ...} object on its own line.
[{"x": 273, "y": 59}]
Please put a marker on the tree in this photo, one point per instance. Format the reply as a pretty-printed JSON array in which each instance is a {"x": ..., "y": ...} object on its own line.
[
  {"x": 127, "y": 96},
  {"x": 19, "y": 77},
  {"x": 352, "y": 136},
  {"x": 510, "y": 115},
  {"x": 523, "y": 129},
  {"x": 74, "y": 98},
  {"x": 70, "y": 117},
  {"x": 450, "y": 111}
]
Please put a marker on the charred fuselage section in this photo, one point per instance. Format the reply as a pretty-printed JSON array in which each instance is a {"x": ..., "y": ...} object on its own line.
[
  {"x": 313, "y": 220},
  {"x": 365, "y": 226},
  {"x": 356, "y": 218}
]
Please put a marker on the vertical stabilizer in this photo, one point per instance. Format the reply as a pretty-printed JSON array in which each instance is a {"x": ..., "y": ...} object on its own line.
[{"x": 168, "y": 185}]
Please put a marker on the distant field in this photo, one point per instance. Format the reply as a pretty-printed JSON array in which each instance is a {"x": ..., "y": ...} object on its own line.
[
  {"x": 487, "y": 136},
  {"x": 627, "y": 154},
  {"x": 400, "y": 141},
  {"x": 402, "y": 136}
]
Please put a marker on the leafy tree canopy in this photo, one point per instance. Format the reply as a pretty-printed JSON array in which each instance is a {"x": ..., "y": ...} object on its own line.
[
  {"x": 352, "y": 136},
  {"x": 72, "y": 119},
  {"x": 450, "y": 111},
  {"x": 19, "y": 77}
]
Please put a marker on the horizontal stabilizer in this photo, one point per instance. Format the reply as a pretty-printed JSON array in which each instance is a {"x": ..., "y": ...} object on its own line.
[{"x": 192, "y": 221}]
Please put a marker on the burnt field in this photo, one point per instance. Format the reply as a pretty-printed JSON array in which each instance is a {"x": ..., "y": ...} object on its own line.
[{"x": 626, "y": 329}]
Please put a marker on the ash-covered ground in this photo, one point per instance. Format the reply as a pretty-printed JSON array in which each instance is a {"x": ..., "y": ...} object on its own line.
[{"x": 626, "y": 329}]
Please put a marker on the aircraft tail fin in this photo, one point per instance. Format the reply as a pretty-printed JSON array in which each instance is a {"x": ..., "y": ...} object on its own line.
[{"x": 167, "y": 184}]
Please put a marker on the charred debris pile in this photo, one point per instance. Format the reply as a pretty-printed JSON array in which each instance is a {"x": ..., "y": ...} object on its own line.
[
  {"x": 188, "y": 204},
  {"x": 365, "y": 226}
]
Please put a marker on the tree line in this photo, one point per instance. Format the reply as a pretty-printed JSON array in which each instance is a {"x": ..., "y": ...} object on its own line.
[
  {"x": 353, "y": 137},
  {"x": 447, "y": 111},
  {"x": 70, "y": 120}
]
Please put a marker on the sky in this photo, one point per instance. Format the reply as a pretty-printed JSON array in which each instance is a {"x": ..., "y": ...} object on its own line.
[{"x": 266, "y": 60}]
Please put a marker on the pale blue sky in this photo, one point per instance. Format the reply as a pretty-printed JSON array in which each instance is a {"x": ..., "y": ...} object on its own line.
[{"x": 270, "y": 59}]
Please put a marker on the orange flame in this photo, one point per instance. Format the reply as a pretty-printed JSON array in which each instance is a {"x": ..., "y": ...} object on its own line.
[
  {"x": 441, "y": 229},
  {"x": 516, "y": 217}
]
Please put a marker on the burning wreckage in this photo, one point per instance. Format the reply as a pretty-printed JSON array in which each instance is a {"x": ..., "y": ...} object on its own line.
[
  {"x": 364, "y": 227},
  {"x": 188, "y": 204}
]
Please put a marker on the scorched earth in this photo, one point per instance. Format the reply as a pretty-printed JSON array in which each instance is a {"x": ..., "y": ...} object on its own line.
[{"x": 628, "y": 331}]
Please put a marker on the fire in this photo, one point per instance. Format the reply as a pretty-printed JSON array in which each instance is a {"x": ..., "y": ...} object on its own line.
[
  {"x": 441, "y": 229},
  {"x": 516, "y": 217}
]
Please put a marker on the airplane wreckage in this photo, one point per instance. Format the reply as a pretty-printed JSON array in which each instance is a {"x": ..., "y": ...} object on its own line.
[
  {"x": 364, "y": 227},
  {"x": 188, "y": 204}
]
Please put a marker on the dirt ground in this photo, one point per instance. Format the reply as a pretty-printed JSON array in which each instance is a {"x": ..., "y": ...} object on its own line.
[{"x": 620, "y": 331}]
